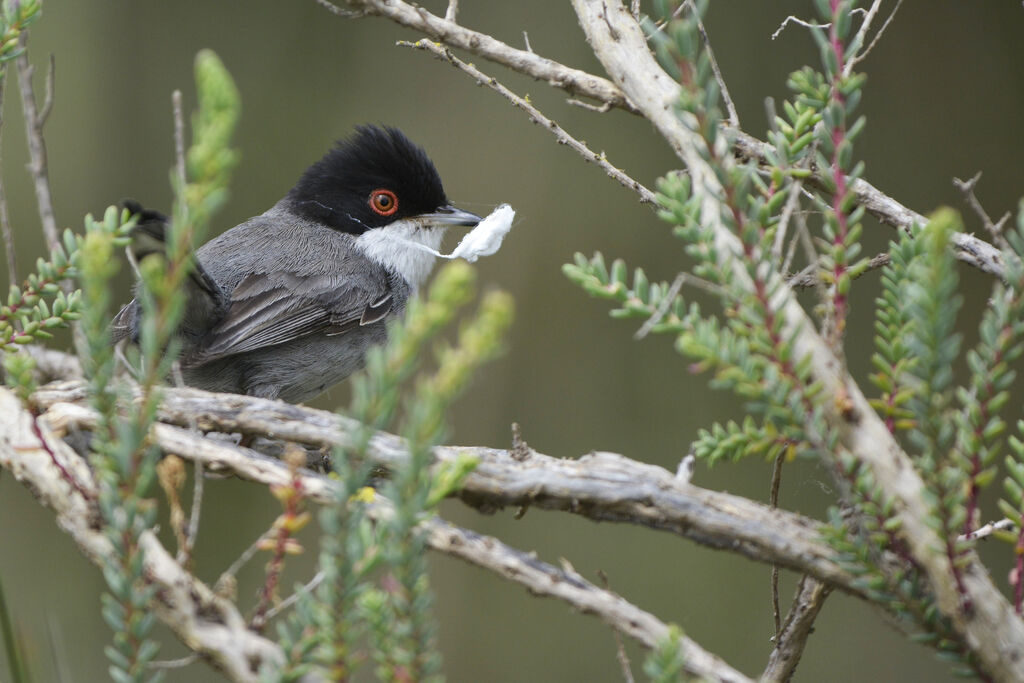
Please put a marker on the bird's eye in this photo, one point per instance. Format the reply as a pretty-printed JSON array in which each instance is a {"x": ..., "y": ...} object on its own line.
[{"x": 383, "y": 202}]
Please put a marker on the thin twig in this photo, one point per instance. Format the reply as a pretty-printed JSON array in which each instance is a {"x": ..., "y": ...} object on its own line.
[
  {"x": 36, "y": 146},
  {"x": 874, "y": 41},
  {"x": 620, "y": 647},
  {"x": 51, "y": 76},
  {"x": 179, "y": 663},
  {"x": 663, "y": 306},
  {"x": 790, "y": 643},
  {"x": 334, "y": 9},
  {"x": 179, "y": 138},
  {"x": 995, "y": 229},
  {"x": 452, "y": 13},
  {"x": 796, "y": 20},
  {"x": 787, "y": 212},
  {"x": 443, "y": 53},
  {"x": 5, "y": 221},
  {"x": 317, "y": 579},
  {"x": 597, "y": 108},
  {"x": 808, "y": 277},
  {"x": 862, "y": 32},
  {"x": 988, "y": 530},
  {"x": 734, "y": 117},
  {"x": 228, "y": 574},
  {"x": 805, "y": 23},
  {"x": 526, "y": 41},
  {"x": 773, "y": 501}
]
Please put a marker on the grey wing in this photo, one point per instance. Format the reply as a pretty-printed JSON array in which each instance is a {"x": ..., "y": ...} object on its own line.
[{"x": 267, "y": 309}]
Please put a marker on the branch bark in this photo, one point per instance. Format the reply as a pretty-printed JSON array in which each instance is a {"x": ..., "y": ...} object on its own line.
[
  {"x": 213, "y": 626},
  {"x": 34, "y": 120},
  {"x": 600, "y": 486},
  {"x": 205, "y": 622}
]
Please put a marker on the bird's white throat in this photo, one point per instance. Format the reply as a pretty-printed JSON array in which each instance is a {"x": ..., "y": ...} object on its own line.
[{"x": 398, "y": 246}]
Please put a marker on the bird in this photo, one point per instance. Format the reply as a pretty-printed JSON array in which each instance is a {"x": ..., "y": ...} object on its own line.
[{"x": 286, "y": 304}]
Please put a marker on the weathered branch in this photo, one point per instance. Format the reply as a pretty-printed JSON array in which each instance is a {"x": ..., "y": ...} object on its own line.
[
  {"x": 563, "y": 137},
  {"x": 573, "y": 81},
  {"x": 207, "y": 623},
  {"x": 5, "y": 221},
  {"x": 34, "y": 120},
  {"x": 991, "y": 629},
  {"x": 489, "y": 553},
  {"x": 790, "y": 643},
  {"x": 599, "y": 486}
]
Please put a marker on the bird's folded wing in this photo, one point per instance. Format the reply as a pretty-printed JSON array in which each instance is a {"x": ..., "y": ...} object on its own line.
[{"x": 273, "y": 308}]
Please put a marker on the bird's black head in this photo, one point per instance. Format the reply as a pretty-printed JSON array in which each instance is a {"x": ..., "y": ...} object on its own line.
[{"x": 371, "y": 179}]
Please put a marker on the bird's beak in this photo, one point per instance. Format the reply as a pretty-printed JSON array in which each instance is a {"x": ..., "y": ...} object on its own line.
[{"x": 449, "y": 215}]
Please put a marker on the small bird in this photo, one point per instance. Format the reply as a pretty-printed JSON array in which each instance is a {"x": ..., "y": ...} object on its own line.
[{"x": 286, "y": 304}]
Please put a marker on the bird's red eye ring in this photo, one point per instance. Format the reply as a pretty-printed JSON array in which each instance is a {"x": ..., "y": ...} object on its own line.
[{"x": 383, "y": 202}]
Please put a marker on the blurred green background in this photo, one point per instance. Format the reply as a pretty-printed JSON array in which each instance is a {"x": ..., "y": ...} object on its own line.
[{"x": 944, "y": 98}]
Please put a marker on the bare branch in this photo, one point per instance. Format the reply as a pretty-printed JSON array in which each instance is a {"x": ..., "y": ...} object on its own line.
[
  {"x": 452, "y": 13},
  {"x": 862, "y": 33},
  {"x": 599, "y": 486},
  {"x": 444, "y": 54},
  {"x": 483, "y": 551},
  {"x": 734, "y": 116},
  {"x": 179, "y": 138},
  {"x": 789, "y": 645},
  {"x": 988, "y": 529},
  {"x": 808, "y": 277},
  {"x": 878, "y": 36},
  {"x": 36, "y": 146},
  {"x": 5, "y": 221},
  {"x": 51, "y": 80},
  {"x": 210, "y": 625},
  {"x": 995, "y": 229},
  {"x": 773, "y": 501},
  {"x": 796, "y": 20},
  {"x": 573, "y": 81}
]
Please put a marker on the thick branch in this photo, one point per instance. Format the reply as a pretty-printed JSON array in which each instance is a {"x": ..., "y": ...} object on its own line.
[
  {"x": 992, "y": 630},
  {"x": 789, "y": 646},
  {"x": 573, "y": 81},
  {"x": 599, "y": 486},
  {"x": 489, "y": 553},
  {"x": 207, "y": 623}
]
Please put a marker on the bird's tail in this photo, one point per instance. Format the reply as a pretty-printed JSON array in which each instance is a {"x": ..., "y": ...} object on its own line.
[{"x": 149, "y": 237}]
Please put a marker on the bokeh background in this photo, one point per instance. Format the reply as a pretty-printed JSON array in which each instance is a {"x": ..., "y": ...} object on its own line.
[{"x": 944, "y": 98}]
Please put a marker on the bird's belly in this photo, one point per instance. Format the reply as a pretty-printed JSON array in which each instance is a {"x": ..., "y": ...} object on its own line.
[{"x": 294, "y": 371}]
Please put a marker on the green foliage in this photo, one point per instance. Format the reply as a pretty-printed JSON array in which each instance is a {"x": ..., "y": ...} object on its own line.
[
  {"x": 39, "y": 305},
  {"x": 954, "y": 434},
  {"x": 664, "y": 663},
  {"x": 734, "y": 441},
  {"x": 932, "y": 305},
  {"x": 123, "y": 458},
  {"x": 375, "y": 577},
  {"x": 15, "y": 17},
  {"x": 893, "y": 359}
]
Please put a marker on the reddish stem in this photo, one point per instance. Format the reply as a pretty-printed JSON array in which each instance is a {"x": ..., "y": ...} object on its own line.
[{"x": 1018, "y": 572}]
